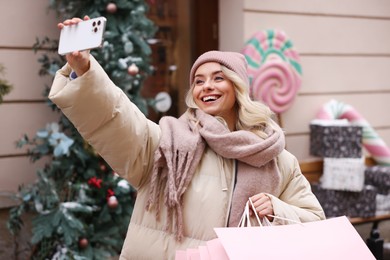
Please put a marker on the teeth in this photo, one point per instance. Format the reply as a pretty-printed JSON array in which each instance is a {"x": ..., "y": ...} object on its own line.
[{"x": 209, "y": 98}]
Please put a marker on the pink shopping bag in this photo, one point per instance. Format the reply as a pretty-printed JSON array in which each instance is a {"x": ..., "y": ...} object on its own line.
[
  {"x": 216, "y": 250},
  {"x": 204, "y": 253},
  {"x": 213, "y": 250},
  {"x": 181, "y": 255},
  {"x": 193, "y": 254},
  {"x": 333, "y": 238}
]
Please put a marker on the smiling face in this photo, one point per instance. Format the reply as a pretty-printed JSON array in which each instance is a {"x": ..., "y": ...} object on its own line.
[{"x": 214, "y": 93}]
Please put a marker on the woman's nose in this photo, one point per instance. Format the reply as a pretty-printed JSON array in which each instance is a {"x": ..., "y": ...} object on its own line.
[{"x": 207, "y": 85}]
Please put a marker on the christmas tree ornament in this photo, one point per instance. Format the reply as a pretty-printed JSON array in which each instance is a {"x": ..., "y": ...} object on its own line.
[
  {"x": 163, "y": 102},
  {"x": 153, "y": 41},
  {"x": 133, "y": 70},
  {"x": 111, "y": 8},
  {"x": 172, "y": 68},
  {"x": 103, "y": 167},
  {"x": 112, "y": 202},
  {"x": 83, "y": 242}
]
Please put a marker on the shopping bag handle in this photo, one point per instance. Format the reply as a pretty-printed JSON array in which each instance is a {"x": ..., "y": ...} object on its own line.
[
  {"x": 287, "y": 219},
  {"x": 245, "y": 219}
]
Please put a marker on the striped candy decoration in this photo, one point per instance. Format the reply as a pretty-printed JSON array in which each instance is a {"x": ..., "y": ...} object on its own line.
[
  {"x": 274, "y": 69},
  {"x": 374, "y": 145}
]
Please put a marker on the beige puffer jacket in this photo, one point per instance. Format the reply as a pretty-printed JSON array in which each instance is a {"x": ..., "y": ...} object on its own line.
[{"x": 122, "y": 135}]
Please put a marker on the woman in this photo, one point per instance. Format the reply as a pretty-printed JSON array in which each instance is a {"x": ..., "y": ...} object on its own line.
[{"x": 193, "y": 173}]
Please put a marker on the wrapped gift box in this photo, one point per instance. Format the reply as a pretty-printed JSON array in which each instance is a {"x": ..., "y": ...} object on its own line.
[
  {"x": 382, "y": 204},
  {"x": 343, "y": 174},
  {"x": 378, "y": 176},
  {"x": 352, "y": 204},
  {"x": 363, "y": 204},
  {"x": 335, "y": 139},
  {"x": 334, "y": 203}
]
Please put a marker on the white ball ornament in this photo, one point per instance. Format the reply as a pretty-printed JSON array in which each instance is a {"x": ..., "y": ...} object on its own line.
[
  {"x": 83, "y": 243},
  {"x": 163, "y": 102},
  {"x": 111, "y": 8},
  {"x": 133, "y": 70},
  {"x": 112, "y": 202}
]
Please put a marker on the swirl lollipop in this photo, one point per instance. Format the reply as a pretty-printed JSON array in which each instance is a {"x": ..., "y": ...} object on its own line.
[{"x": 273, "y": 69}]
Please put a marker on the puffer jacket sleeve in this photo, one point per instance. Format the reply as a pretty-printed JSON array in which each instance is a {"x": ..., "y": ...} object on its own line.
[
  {"x": 108, "y": 120},
  {"x": 296, "y": 201}
]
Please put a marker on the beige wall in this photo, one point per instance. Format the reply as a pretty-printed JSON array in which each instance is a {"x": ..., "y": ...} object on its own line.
[
  {"x": 24, "y": 110},
  {"x": 345, "y": 55}
]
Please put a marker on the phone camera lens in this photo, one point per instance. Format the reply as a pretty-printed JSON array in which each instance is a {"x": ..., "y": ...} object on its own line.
[
  {"x": 95, "y": 29},
  {"x": 99, "y": 22},
  {"x": 94, "y": 24}
]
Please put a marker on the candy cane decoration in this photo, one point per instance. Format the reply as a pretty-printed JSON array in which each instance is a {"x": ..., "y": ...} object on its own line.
[
  {"x": 274, "y": 69},
  {"x": 371, "y": 140}
]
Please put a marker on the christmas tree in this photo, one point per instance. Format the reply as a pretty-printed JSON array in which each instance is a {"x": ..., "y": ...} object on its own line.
[{"x": 82, "y": 207}]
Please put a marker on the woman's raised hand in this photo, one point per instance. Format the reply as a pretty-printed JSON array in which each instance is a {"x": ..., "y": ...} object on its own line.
[{"x": 77, "y": 60}]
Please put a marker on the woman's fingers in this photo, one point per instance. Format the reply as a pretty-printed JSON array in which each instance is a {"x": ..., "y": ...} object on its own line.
[
  {"x": 74, "y": 20},
  {"x": 262, "y": 204}
]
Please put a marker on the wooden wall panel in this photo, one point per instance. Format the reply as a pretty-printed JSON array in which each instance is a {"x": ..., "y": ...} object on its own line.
[
  {"x": 335, "y": 74},
  {"x": 19, "y": 119},
  {"x": 22, "y": 70},
  {"x": 22, "y": 21},
  {"x": 374, "y": 8},
  {"x": 17, "y": 171},
  {"x": 325, "y": 35}
]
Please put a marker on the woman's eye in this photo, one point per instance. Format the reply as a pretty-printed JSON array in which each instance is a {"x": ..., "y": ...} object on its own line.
[
  {"x": 218, "y": 78},
  {"x": 198, "y": 81}
]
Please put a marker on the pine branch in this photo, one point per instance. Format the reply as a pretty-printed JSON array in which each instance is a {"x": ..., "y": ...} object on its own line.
[{"x": 5, "y": 86}]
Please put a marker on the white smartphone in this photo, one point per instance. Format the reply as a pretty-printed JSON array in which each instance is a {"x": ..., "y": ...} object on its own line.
[{"x": 85, "y": 35}]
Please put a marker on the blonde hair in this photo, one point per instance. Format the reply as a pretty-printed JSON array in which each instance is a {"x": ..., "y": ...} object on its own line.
[{"x": 252, "y": 116}]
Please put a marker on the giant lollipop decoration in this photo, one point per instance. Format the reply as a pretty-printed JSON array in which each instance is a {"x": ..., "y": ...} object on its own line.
[
  {"x": 373, "y": 143},
  {"x": 274, "y": 69}
]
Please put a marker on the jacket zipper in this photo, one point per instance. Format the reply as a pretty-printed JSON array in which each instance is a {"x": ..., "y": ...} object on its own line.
[{"x": 233, "y": 186}]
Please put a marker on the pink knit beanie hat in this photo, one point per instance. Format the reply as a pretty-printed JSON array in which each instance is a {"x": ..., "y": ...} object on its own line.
[{"x": 232, "y": 60}]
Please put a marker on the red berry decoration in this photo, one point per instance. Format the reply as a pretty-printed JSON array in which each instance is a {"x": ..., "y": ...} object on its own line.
[
  {"x": 83, "y": 243},
  {"x": 111, "y": 8},
  {"x": 112, "y": 202}
]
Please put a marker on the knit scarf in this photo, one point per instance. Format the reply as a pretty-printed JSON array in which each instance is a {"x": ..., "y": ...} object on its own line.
[{"x": 181, "y": 148}]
